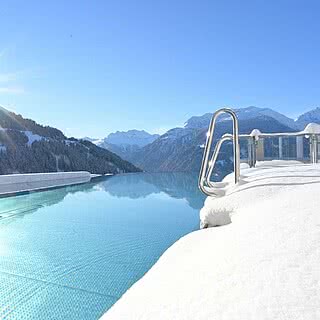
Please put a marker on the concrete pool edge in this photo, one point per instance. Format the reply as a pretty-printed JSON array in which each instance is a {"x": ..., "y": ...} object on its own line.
[{"x": 11, "y": 185}]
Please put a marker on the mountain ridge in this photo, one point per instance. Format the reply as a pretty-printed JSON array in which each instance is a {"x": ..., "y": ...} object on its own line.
[
  {"x": 178, "y": 148},
  {"x": 28, "y": 147},
  {"x": 181, "y": 149}
]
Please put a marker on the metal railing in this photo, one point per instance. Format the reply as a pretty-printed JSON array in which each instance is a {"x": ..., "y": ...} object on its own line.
[
  {"x": 311, "y": 131},
  {"x": 206, "y": 171}
]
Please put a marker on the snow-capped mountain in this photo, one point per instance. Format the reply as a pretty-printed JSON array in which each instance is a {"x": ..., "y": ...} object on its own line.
[
  {"x": 310, "y": 116},
  {"x": 125, "y": 143},
  {"x": 243, "y": 114},
  {"x": 125, "y": 139},
  {"x": 138, "y": 138}
]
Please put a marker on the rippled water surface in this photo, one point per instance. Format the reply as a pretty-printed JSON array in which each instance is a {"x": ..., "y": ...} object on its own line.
[{"x": 70, "y": 253}]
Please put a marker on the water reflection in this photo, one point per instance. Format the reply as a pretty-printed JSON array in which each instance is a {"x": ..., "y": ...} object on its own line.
[
  {"x": 28, "y": 203},
  {"x": 133, "y": 186},
  {"x": 178, "y": 185}
]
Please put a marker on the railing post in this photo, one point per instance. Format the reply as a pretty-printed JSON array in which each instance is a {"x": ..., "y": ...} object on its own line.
[
  {"x": 299, "y": 144},
  {"x": 252, "y": 146},
  {"x": 313, "y": 148},
  {"x": 317, "y": 148},
  {"x": 254, "y": 155},
  {"x": 260, "y": 149},
  {"x": 280, "y": 148},
  {"x": 236, "y": 147}
]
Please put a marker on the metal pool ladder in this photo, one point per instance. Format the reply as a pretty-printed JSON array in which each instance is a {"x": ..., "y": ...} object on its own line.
[{"x": 207, "y": 166}]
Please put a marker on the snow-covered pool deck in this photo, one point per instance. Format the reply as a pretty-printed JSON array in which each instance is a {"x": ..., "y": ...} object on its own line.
[{"x": 263, "y": 263}]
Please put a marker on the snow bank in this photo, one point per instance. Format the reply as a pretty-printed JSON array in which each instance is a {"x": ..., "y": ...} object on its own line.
[
  {"x": 262, "y": 264},
  {"x": 257, "y": 184}
]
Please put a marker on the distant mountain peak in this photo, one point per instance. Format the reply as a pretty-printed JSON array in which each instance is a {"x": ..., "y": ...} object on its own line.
[{"x": 132, "y": 137}]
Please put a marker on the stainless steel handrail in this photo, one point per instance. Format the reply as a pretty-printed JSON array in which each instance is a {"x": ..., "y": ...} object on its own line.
[
  {"x": 204, "y": 186},
  {"x": 226, "y": 137}
]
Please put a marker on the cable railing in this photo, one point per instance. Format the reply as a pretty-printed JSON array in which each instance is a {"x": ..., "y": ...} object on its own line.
[{"x": 255, "y": 148}]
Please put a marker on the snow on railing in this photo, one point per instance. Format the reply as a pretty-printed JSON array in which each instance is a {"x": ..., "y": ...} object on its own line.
[{"x": 311, "y": 132}]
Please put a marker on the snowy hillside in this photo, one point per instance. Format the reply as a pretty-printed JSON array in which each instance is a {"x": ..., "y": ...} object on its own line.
[
  {"x": 27, "y": 147},
  {"x": 262, "y": 263}
]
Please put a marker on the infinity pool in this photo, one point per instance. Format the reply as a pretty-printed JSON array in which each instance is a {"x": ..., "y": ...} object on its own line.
[{"x": 70, "y": 253}]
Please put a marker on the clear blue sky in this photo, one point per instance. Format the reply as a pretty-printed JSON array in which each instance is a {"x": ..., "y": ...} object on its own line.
[{"x": 93, "y": 67}]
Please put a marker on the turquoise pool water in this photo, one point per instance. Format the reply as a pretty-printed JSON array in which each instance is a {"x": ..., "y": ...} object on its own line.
[{"x": 70, "y": 253}]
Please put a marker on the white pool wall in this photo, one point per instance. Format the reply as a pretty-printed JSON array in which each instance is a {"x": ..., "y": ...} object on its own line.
[{"x": 16, "y": 183}]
